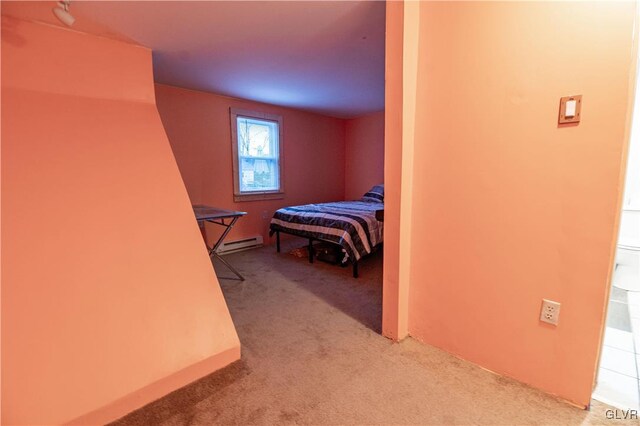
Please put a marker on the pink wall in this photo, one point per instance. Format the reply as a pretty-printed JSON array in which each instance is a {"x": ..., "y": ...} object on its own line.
[
  {"x": 109, "y": 299},
  {"x": 364, "y": 154},
  {"x": 198, "y": 127},
  {"x": 508, "y": 207},
  {"x": 394, "y": 302}
]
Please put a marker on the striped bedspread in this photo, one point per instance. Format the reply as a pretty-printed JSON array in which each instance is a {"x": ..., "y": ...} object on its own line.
[{"x": 351, "y": 224}]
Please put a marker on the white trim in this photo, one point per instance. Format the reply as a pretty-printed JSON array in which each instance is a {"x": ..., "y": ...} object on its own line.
[{"x": 238, "y": 195}]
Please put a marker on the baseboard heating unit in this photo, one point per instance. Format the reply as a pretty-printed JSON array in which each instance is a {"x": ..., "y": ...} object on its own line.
[{"x": 239, "y": 245}]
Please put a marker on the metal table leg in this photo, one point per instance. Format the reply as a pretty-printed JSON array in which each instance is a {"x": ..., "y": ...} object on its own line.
[
  {"x": 217, "y": 256},
  {"x": 212, "y": 251}
]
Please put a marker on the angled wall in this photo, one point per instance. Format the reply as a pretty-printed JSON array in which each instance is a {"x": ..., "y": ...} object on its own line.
[{"x": 108, "y": 297}]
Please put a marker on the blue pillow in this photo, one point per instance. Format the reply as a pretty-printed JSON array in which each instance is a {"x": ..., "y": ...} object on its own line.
[{"x": 374, "y": 195}]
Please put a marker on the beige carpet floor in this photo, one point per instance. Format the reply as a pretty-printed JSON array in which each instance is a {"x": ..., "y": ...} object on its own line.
[{"x": 312, "y": 354}]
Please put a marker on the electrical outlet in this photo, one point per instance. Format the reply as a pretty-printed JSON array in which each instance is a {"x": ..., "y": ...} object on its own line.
[{"x": 550, "y": 311}]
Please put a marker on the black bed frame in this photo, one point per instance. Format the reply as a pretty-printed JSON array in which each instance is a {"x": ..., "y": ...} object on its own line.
[{"x": 311, "y": 240}]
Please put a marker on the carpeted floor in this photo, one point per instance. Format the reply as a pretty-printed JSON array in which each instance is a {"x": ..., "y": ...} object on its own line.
[{"x": 312, "y": 354}]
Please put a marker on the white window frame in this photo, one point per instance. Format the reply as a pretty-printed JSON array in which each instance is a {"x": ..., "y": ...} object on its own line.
[{"x": 238, "y": 195}]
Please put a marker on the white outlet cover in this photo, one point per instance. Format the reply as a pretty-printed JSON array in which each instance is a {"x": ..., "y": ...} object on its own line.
[{"x": 550, "y": 312}]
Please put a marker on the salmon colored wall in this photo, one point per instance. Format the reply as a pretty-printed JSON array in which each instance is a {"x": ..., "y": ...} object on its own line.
[
  {"x": 364, "y": 154},
  {"x": 394, "y": 298},
  {"x": 199, "y": 130},
  {"x": 109, "y": 299},
  {"x": 508, "y": 207}
]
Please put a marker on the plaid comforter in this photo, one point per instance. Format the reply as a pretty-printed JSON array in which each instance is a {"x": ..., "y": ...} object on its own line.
[{"x": 351, "y": 224}]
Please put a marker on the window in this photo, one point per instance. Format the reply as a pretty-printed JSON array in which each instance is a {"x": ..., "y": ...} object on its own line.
[{"x": 257, "y": 155}]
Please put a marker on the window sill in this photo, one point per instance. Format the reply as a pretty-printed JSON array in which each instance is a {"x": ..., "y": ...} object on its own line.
[{"x": 258, "y": 196}]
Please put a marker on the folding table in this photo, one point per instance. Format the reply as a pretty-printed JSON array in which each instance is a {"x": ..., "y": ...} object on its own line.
[{"x": 218, "y": 216}]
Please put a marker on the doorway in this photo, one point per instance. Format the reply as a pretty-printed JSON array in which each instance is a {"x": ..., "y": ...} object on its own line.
[{"x": 619, "y": 370}]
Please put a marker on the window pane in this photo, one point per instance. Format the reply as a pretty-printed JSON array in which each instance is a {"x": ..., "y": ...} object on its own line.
[
  {"x": 257, "y": 138},
  {"x": 258, "y": 155},
  {"x": 258, "y": 175}
]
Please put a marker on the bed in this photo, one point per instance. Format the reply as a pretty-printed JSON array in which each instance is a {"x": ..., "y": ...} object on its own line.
[{"x": 351, "y": 225}]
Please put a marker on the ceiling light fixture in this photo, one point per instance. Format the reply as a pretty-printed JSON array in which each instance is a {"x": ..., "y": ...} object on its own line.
[{"x": 62, "y": 13}]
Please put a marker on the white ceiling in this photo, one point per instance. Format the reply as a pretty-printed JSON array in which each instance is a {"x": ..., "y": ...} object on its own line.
[{"x": 326, "y": 57}]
